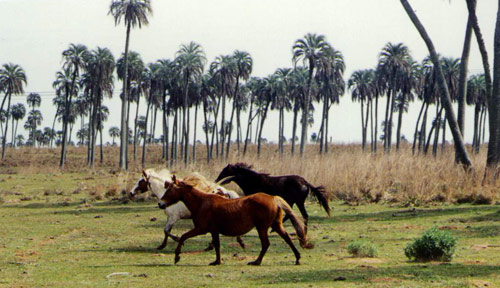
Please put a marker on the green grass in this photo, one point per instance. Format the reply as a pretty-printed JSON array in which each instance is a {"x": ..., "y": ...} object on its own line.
[{"x": 55, "y": 240}]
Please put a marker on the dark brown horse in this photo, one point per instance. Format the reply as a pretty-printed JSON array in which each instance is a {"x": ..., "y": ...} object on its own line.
[
  {"x": 233, "y": 217},
  {"x": 293, "y": 188}
]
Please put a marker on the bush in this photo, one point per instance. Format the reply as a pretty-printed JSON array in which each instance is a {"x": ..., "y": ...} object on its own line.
[
  {"x": 433, "y": 245},
  {"x": 360, "y": 248}
]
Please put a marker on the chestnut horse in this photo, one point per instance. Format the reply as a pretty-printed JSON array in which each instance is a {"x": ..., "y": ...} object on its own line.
[
  {"x": 233, "y": 217},
  {"x": 293, "y": 188},
  {"x": 154, "y": 181}
]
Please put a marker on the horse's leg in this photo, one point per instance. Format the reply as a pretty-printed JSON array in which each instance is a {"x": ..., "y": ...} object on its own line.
[
  {"x": 168, "y": 227},
  {"x": 216, "y": 243},
  {"x": 278, "y": 227},
  {"x": 264, "y": 241},
  {"x": 303, "y": 211},
  {"x": 191, "y": 233},
  {"x": 240, "y": 241}
]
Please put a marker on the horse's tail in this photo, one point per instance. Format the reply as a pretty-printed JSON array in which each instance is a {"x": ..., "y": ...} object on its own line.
[
  {"x": 321, "y": 195},
  {"x": 297, "y": 222}
]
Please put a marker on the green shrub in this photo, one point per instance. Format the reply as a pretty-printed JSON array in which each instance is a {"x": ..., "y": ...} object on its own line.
[
  {"x": 360, "y": 248},
  {"x": 433, "y": 245}
]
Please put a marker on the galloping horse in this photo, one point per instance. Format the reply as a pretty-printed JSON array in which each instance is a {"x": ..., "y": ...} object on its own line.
[
  {"x": 293, "y": 188},
  {"x": 233, "y": 217},
  {"x": 155, "y": 182}
]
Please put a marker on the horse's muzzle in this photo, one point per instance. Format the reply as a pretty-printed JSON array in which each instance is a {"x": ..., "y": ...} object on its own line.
[{"x": 162, "y": 205}]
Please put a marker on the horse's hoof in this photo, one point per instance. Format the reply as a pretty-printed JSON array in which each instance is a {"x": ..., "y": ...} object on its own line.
[
  {"x": 243, "y": 246},
  {"x": 215, "y": 263},
  {"x": 297, "y": 262},
  {"x": 176, "y": 259},
  {"x": 254, "y": 263},
  {"x": 161, "y": 247}
]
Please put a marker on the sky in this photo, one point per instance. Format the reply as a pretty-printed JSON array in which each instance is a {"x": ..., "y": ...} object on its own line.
[{"x": 33, "y": 34}]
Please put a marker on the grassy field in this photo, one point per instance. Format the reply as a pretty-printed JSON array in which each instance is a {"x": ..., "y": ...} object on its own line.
[{"x": 75, "y": 229}]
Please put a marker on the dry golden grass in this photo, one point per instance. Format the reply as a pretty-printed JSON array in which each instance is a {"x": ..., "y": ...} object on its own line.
[{"x": 346, "y": 172}]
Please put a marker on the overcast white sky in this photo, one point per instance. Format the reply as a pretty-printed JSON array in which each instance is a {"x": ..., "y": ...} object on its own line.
[{"x": 33, "y": 33}]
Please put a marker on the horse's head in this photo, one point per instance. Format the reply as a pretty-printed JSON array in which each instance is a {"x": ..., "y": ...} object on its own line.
[
  {"x": 227, "y": 174},
  {"x": 142, "y": 185},
  {"x": 172, "y": 193}
]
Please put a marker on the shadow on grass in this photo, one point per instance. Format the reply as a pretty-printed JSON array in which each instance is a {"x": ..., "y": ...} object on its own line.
[
  {"x": 420, "y": 272},
  {"x": 404, "y": 214}
]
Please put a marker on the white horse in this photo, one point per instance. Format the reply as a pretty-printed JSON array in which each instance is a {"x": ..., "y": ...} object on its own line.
[{"x": 155, "y": 182}]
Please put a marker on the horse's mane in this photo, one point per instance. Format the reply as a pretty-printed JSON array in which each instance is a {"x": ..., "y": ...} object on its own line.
[
  {"x": 199, "y": 181},
  {"x": 162, "y": 175},
  {"x": 249, "y": 168}
]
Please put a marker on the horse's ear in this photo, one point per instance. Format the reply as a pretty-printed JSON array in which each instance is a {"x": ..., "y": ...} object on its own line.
[
  {"x": 144, "y": 173},
  {"x": 174, "y": 179}
]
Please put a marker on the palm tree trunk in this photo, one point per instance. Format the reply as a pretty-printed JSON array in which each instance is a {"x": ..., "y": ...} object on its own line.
[
  {"x": 4, "y": 138},
  {"x": 475, "y": 138},
  {"x": 363, "y": 136},
  {"x": 143, "y": 161},
  {"x": 101, "y": 158},
  {"x": 391, "y": 112},
  {"x": 223, "y": 124},
  {"x": 305, "y": 114},
  {"x": 443, "y": 142},
  {"x": 249, "y": 126},
  {"x": 194, "y": 132},
  {"x": 65, "y": 127},
  {"x": 123, "y": 123},
  {"x": 416, "y": 128},
  {"x": 128, "y": 136},
  {"x": 375, "y": 146},
  {"x": 462, "y": 80},
  {"x": 238, "y": 129},
  {"x": 445, "y": 94},
  {"x": 423, "y": 130},
  {"x": 262, "y": 120},
  {"x": 386, "y": 121},
  {"x": 207, "y": 129},
  {"x": 135, "y": 126},
  {"x": 400, "y": 121},
  {"x": 328, "y": 106},
  {"x": 15, "y": 133},
  {"x": 493, "y": 102},
  {"x": 294, "y": 129},
  {"x": 230, "y": 130}
]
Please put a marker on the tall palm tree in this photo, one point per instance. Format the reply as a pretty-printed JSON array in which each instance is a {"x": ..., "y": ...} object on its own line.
[
  {"x": 243, "y": 62},
  {"x": 476, "y": 95},
  {"x": 74, "y": 61},
  {"x": 393, "y": 60},
  {"x": 18, "y": 112},
  {"x": 191, "y": 61},
  {"x": 310, "y": 49},
  {"x": 34, "y": 100},
  {"x": 461, "y": 151},
  {"x": 12, "y": 78},
  {"x": 113, "y": 133},
  {"x": 134, "y": 13},
  {"x": 134, "y": 69},
  {"x": 284, "y": 102},
  {"x": 223, "y": 70},
  {"x": 361, "y": 85},
  {"x": 331, "y": 87},
  {"x": 298, "y": 94},
  {"x": 35, "y": 119}
]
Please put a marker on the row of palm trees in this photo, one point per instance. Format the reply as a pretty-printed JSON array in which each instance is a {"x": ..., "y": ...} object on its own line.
[{"x": 403, "y": 80}]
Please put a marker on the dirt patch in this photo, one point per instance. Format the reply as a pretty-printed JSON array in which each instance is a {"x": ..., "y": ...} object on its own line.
[
  {"x": 365, "y": 260},
  {"x": 483, "y": 246},
  {"x": 480, "y": 283}
]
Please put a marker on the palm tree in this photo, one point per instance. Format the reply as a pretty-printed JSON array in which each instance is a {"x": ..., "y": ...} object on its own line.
[
  {"x": 114, "y": 132},
  {"x": 361, "y": 85},
  {"x": 190, "y": 60},
  {"x": 283, "y": 103},
  {"x": 18, "y": 112},
  {"x": 135, "y": 69},
  {"x": 393, "y": 61},
  {"x": 34, "y": 119},
  {"x": 134, "y": 13},
  {"x": 331, "y": 87},
  {"x": 311, "y": 49},
  {"x": 20, "y": 140},
  {"x": 34, "y": 100},
  {"x": 12, "y": 77},
  {"x": 243, "y": 62},
  {"x": 223, "y": 70},
  {"x": 74, "y": 60},
  {"x": 476, "y": 95},
  {"x": 460, "y": 149},
  {"x": 298, "y": 95}
]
